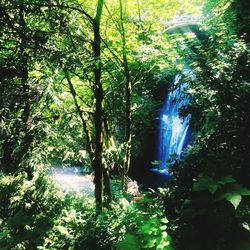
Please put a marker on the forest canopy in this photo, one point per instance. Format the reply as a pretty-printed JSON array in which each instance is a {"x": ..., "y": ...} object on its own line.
[{"x": 82, "y": 83}]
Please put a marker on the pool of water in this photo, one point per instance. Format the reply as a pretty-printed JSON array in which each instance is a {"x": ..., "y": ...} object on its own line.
[{"x": 72, "y": 179}]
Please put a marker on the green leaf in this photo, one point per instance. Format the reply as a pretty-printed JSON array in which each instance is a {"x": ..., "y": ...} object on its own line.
[
  {"x": 236, "y": 188},
  {"x": 129, "y": 242},
  {"x": 246, "y": 226},
  {"x": 164, "y": 220},
  {"x": 156, "y": 162},
  {"x": 235, "y": 199},
  {"x": 4, "y": 234},
  {"x": 205, "y": 183},
  {"x": 63, "y": 230},
  {"x": 163, "y": 245},
  {"x": 19, "y": 219},
  {"x": 233, "y": 193},
  {"x": 226, "y": 179},
  {"x": 164, "y": 227},
  {"x": 150, "y": 244},
  {"x": 146, "y": 229}
]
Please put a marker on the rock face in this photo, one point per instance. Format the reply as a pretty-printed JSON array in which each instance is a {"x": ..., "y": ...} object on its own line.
[{"x": 72, "y": 179}]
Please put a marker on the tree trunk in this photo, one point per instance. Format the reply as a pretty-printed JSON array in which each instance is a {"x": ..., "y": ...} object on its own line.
[
  {"x": 107, "y": 189},
  {"x": 28, "y": 136},
  {"x": 128, "y": 89},
  {"x": 98, "y": 164}
]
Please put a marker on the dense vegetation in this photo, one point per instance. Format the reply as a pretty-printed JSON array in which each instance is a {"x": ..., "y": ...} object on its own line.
[{"x": 81, "y": 83}]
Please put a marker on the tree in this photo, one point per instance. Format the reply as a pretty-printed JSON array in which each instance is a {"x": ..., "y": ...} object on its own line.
[
  {"x": 19, "y": 98},
  {"x": 98, "y": 115},
  {"x": 210, "y": 183}
]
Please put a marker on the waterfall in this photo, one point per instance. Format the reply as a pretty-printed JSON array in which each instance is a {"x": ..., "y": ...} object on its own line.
[{"x": 173, "y": 130}]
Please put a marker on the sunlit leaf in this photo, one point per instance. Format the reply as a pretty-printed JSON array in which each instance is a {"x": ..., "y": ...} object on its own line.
[{"x": 235, "y": 199}]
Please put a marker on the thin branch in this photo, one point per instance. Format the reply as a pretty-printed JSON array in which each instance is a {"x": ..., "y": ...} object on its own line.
[
  {"x": 111, "y": 16},
  {"x": 115, "y": 56},
  {"x": 61, "y": 6},
  {"x": 89, "y": 146},
  {"x": 137, "y": 75}
]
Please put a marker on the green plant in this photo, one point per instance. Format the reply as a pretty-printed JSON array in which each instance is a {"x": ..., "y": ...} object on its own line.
[
  {"x": 28, "y": 211},
  {"x": 146, "y": 226}
]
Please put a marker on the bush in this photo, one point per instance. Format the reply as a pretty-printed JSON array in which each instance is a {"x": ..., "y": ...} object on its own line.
[
  {"x": 36, "y": 215},
  {"x": 28, "y": 210}
]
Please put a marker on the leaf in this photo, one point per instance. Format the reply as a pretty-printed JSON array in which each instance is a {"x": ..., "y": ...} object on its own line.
[
  {"x": 226, "y": 179},
  {"x": 205, "y": 183},
  {"x": 150, "y": 243},
  {"x": 4, "y": 234},
  {"x": 163, "y": 245},
  {"x": 63, "y": 230},
  {"x": 235, "y": 199},
  {"x": 232, "y": 190},
  {"x": 146, "y": 229},
  {"x": 233, "y": 193},
  {"x": 246, "y": 226},
  {"x": 164, "y": 234},
  {"x": 244, "y": 191},
  {"x": 236, "y": 188},
  {"x": 156, "y": 162},
  {"x": 129, "y": 242},
  {"x": 164, "y": 220},
  {"x": 19, "y": 219}
]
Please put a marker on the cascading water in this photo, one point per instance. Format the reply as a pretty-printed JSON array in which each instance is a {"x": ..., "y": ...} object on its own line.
[{"x": 173, "y": 130}]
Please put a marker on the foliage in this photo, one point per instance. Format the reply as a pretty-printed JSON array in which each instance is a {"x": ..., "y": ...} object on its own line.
[
  {"x": 142, "y": 233},
  {"x": 50, "y": 77},
  {"x": 210, "y": 191},
  {"x": 28, "y": 210},
  {"x": 35, "y": 215}
]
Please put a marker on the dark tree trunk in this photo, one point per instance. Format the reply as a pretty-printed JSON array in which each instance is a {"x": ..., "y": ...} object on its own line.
[
  {"x": 98, "y": 163},
  {"x": 128, "y": 135},
  {"x": 28, "y": 136},
  {"x": 17, "y": 147},
  {"x": 107, "y": 189},
  {"x": 128, "y": 89}
]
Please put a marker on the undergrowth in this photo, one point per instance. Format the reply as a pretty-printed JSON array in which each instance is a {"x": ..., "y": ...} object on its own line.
[{"x": 36, "y": 215}]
